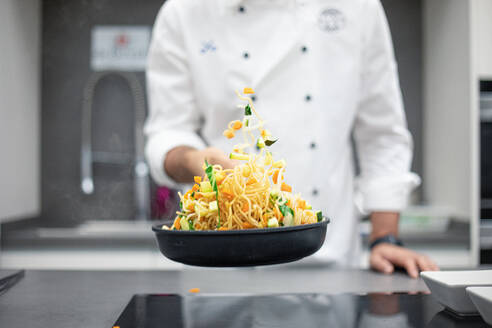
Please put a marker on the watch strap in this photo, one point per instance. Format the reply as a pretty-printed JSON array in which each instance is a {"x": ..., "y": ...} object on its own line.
[{"x": 389, "y": 239}]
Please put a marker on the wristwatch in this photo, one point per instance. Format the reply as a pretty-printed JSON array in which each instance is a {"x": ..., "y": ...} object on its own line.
[{"x": 390, "y": 239}]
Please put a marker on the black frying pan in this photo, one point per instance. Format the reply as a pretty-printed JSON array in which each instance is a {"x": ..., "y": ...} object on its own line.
[{"x": 237, "y": 248}]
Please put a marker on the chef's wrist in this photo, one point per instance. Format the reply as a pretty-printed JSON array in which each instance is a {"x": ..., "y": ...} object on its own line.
[
  {"x": 383, "y": 223},
  {"x": 182, "y": 163}
]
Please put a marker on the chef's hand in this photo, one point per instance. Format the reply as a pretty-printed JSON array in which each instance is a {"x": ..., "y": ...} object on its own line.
[
  {"x": 183, "y": 163},
  {"x": 385, "y": 256}
]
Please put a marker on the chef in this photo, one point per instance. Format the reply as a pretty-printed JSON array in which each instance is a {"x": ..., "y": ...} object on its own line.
[{"x": 322, "y": 71}]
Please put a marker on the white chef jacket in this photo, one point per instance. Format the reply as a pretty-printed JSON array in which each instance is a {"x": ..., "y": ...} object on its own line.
[{"x": 320, "y": 70}]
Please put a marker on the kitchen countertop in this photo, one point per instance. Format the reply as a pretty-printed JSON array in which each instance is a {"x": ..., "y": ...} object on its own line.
[{"x": 96, "y": 298}]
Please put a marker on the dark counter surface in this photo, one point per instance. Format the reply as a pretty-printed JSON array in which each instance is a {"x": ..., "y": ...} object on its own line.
[{"x": 96, "y": 298}]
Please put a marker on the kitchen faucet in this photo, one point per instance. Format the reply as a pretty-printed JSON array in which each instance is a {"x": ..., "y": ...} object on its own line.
[{"x": 88, "y": 157}]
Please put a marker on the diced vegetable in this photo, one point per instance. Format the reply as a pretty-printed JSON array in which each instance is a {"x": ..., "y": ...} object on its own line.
[
  {"x": 247, "y": 225},
  {"x": 288, "y": 220},
  {"x": 191, "y": 224},
  {"x": 205, "y": 186},
  {"x": 243, "y": 157},
  {"x": 275, "y": 176},
  {"x": 177, "y": 223},
  {"x": 184, "y": 224},
  {"x": 197, "y": 179},
  {"x": 213, "y": 206},
  {"x": 319, "y": 216},
  {"x": 260, "y": 143},
  {"x": 229, "y": 134},
  {"x": 272, "y": 223},
  {"x": 200, "y": 210},
  {"x": 285, "y": 187},
  {"x": 247, "y": 110},
  {"x": 236, "y": 125},
  {"x": 209, "y": 171},
  {"x": 284, "y": 209},
  {"x": 247, "y": 91},
  {"x": 246, "y": 122}
]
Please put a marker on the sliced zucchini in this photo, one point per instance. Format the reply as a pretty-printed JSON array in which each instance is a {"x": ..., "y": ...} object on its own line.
[
  {"x": 273, "y": 223},
  {"x": 242, "y": 157}
]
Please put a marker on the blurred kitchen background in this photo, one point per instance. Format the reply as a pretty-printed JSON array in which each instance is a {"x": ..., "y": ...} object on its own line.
[{"x": 75, "y": 191}]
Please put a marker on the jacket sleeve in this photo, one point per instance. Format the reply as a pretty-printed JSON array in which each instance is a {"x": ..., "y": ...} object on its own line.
[
  {"x": 173, "y": 118},
  {"x": 383, "y": 142}
]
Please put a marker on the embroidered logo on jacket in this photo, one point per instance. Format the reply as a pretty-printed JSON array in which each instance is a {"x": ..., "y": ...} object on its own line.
[
  {"x": 331, "y": 20},
  {"x": 208, "y": 46}
]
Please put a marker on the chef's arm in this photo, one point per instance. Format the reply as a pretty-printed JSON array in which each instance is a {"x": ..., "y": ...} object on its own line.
[
  {"x": 384, "y": 146},
  {"x": 183, "y": 162}
]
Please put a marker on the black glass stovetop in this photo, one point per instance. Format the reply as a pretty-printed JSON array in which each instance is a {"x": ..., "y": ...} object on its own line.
[{"x": 290, "y": 310}]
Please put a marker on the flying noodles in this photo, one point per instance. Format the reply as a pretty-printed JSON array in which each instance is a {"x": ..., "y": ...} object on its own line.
[{"x": 252, "y": 194}]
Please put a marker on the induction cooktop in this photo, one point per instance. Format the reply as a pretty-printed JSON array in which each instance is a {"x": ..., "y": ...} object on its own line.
[{"x": 289, "y": 310}]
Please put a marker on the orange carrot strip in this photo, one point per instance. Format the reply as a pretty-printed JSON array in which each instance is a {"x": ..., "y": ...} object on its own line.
[
  {"x": 197, "y": 179},
  {"x": 275, "y": 176},
  {"x": 194, "y": 290},
  {"x": 285, "y": 187},
  {"x": 247, "y": 225},
  {"x": 223, "y": 228},
  {"x": 245, "y": 207},
  {"x": 249, "y": 91},
  {"x": 177, "y": 225}
]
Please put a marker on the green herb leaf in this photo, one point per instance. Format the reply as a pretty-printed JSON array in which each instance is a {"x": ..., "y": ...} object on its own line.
[
  {"x": 190, "y": 223},
  {"x": 247, "y": 110},
  {"x": 269, "y": 142},
  {"x": 284, "y": 209},
  {"x": 209, "y": 170}
]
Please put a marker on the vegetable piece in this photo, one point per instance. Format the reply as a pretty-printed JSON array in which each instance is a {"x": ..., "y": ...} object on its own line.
[
  {"x": 247, "y": 110},
  {"x": 205, "y": 186},
  {"x": 270, "y": 141},
  {"x": 272, "y": 223},
  {"x": 285, "y": 210},
  {"x": 219, "y": 177},
  {"x": 194, "y": 290},
  {"x": 288, "y": 220},
  {"x": 229, "y": 134},
  {"x": 275, "y": 176},
  {"x": 213, "y": 206},
  {"x": 197, "y": 179},
  {"x": 223, "y": 228},
  {"x": 243, "y": 157},
  {"x": 247, "y": 225},
  {"x": 200, "y": 210},
  {"x": 319, "y": 216},
  {"x": 285, "y": 187},
  {"x": 260, "y": 143},
  {"x": 191, "y": 224},
  {"x": 177, "y": 223},
  {"x": 249, "y": 91},
  {"x": 209, "y": 171},
  {"x": 236, "y": 125},
  {"x": 246, "y": 122},
  {"x": 185, "y": 225}
]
